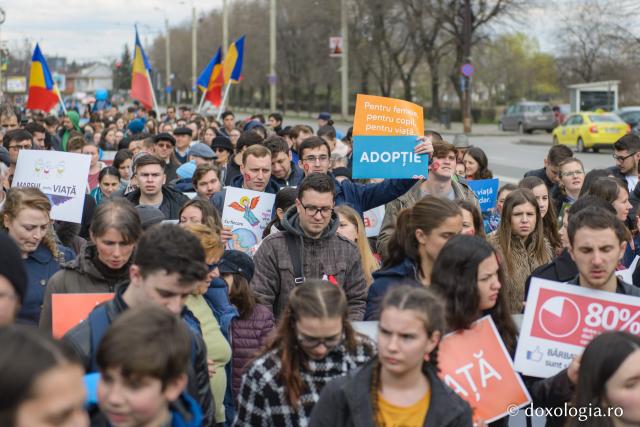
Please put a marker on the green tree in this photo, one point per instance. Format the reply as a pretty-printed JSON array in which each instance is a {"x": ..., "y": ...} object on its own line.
[{"x": 122, "y": 71}]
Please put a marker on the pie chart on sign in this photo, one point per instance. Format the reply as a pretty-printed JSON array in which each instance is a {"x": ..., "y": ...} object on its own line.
[{"x": 559, "y": 317}]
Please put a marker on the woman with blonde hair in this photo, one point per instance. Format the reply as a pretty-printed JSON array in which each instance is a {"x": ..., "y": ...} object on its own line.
[
  {"x": 352, "y": 228},
  {"x": 26, "y": 218},
  {"x": 218, "y": 348}
]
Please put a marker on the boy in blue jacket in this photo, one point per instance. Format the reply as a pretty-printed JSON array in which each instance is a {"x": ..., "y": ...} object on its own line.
[{"x": 143, "y": 361}]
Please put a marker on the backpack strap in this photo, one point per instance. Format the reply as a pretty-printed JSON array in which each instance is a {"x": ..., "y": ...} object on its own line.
[
  {"x": 98, "y": 325},
  {"x": 293, "y": 247}
]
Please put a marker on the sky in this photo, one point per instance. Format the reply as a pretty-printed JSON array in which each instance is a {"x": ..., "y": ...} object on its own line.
[
  {"x": 84, "y": 30},
  {"x": 93, "y": 30}
]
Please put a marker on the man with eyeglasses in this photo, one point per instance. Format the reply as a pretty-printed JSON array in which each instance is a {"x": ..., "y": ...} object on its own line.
[
  {"x": 14, "y": 141},
  {"x": 626, "y": 154},
  {"x": 152, "y": 191},
  {"x": 309, "y": 247},
  {"x": 315, "y": 157}
]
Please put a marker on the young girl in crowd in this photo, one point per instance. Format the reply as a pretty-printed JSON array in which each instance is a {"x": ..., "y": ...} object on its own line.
[
  {"x": 42, "y": 383},
  {"x": 547, "y": 210},
  {"x": 420, "y": 234},
  {"x": 108, "y": 183},
  {"x": 352, "y": 228},
  {"x": 285, "y": 198},
  {"x": 609, "y": 380},
  {"x": 197, "y": 211},
  {"x": 253, "y": 322},
  {"x": 313, "y": 344},
  {"x": 95, "y": 166},
  {"x": 615, "y": 192},
  {"x": 104, "y": 261},
  {"x": 25, "y": 217},
  {"x": 400, "y": 387},
  {"x": 492, "y": 220},
  {"x": 472, "y": 223},
  {"x": 475, "y": 164},
  {"x": 122, "y": 162},
  {"x": 218, "y": 348},
  {"x": 571, "y": 180},
  {"x": 520, "y": 239},
  {"x": 108, "y": 139}
]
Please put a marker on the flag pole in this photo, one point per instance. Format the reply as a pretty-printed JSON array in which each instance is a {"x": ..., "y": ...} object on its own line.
[
  {"x": 64, "y": 109},
  {"x": 224, "y": 100},
  {"x": 201, "y": 102},
  {"x": 153, "y": 93}
]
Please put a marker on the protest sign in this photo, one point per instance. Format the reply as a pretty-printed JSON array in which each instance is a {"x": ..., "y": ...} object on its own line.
[
  {"x": 67, "y": 310},
  {"x": 247, "y": 213},
  {"x": 560, "y": 320},
  {"x": 61, "y": 176},
  {"x": 486, "y": 190},
  {"x": 388, "y": 157},
  {"x": 373, "y": 221},
  {"x": 627, "y": 275},
  {"x": 385, "y": 131},
  {"x": 477, "y": 366},
  {"x": 377, "y": 115}
]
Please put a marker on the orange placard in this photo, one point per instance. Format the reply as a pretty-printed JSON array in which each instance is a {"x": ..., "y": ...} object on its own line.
[
  {"x": 67, "y": 310},
  {"x": 477, "y": 366},
  {"x": 380, "y": 116}
]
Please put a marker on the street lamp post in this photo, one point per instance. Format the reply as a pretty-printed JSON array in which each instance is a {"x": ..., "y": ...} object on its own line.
[
  {"x": 344, "y": 66},
  {"x": 194, "y": 54},
  {"x": 272, "y": 57}
]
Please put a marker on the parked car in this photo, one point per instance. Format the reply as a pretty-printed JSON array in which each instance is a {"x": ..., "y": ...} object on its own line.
[
  {"x": 590, "y": 131},
  {"x": 525, "y": 117},
  {"x": 631, "y": 116}
]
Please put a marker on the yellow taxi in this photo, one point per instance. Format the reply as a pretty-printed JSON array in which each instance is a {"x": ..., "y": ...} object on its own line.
[{"x": 590, "y": 130}]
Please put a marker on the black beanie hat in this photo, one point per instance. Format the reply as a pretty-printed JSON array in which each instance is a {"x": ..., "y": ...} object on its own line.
[{"x": 12, "y": 265}]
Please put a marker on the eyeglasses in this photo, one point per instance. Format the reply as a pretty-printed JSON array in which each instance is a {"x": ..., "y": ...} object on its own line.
[
  {"x": 313, "y": 210},
  {"x": 20, "y": 147},
  {"x": 165, "y": 146},
  {"x": 572, "y": 173},
  {"x": 213, "y": 266},
  {"x": 313, "y": 342},
  {"x": 220, "y": 150},
  {"x": 622, "y": 158},
  {"x": 323, "y": 158}
]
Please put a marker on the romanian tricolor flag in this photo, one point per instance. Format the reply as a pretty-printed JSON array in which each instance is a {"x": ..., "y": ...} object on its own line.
[
  {"x": 211, "y": 80},
  {"x": 232, "y": 66},
  {"x": 140, "y": 81},
  {"x": 42, "y": 89}
]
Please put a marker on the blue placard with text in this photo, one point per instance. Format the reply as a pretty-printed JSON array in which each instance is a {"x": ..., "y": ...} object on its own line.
[
  {"x": 388, "y": 157},
  {"x": 486, "y": 190}
]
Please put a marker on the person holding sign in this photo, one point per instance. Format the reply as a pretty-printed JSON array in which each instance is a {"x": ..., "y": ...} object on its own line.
[
  {"x": 401, "y": 386},
  {"x": 420, "y": 234},
  {"x": 520, "y": 239},
  {"x": 608, "y": 380},
  {"x": 597, "y": 243},
  {"x": 441, "y": 182},
  {"x": 25, "y": 217},
  {"x": 255, "y": 174},
  {"x": 104, "y": 261},
  {"x": 315, "y": 157}
]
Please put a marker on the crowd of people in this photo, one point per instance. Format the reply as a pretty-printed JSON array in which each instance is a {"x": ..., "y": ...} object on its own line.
[{"x": 198, "y": 334}]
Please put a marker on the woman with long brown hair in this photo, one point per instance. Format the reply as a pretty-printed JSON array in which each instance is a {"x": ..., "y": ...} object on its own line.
[
  {"x": 520, "y": 239},
  {"x": 547, "y": 210},
  {"x": 313, "y": 344},
  {"x": 26, "y": 218}
]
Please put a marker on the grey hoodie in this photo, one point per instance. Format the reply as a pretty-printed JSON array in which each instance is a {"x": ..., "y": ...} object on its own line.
[{"x": 330, "y": 255}]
